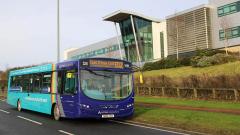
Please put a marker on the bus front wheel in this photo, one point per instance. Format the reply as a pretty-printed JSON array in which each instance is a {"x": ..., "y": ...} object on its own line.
[
  {"x": 19, "y": 108},
  {"x": 56, "y": 113}
]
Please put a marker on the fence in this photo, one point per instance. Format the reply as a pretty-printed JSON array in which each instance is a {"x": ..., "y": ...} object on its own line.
[{"x": 191, "y": 93}]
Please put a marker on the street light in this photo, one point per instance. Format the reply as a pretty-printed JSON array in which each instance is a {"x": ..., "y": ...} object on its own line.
[{"x": 58, "y": 32}]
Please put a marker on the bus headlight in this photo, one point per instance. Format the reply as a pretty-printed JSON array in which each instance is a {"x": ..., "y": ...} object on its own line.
[
  {"x": 84, "y": 106},
  {"x": 130, "y": 105}
]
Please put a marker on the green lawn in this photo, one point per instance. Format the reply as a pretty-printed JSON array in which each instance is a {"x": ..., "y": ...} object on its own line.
[
  {"x": 226, "y": 69},
  {"x": 187, "y": 102},
  {"x": 213, "y": 123}
]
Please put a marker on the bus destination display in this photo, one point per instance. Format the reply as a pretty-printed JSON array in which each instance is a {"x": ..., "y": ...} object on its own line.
[{"x": 106, "y": 64}]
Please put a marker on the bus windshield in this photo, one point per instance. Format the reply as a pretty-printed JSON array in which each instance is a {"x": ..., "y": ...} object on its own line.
[{"x": 106, "y": 85}]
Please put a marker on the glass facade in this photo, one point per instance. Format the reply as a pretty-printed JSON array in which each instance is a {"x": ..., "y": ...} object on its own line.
[
  {"x": 144, "y": 37},
  {"x": 229, "y": 9},
  {"x": 233, "y": 32},
  {"x": 101, "y": 51}
]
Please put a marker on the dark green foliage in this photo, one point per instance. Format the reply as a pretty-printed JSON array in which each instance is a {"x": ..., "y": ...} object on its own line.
[
  {"x": 194, "y": 60},
  {"x": 202, "y": 58},
  {"x": 205, "y": 61},
  {"x": 207, "y": 52},
  {"x": 162, "y": 64},
  {"x": 186, "y": 61},
  {"x": 167, "y": 63},
  {"x": 148, "y": 66},
  {"x": 171, "y": 63}
]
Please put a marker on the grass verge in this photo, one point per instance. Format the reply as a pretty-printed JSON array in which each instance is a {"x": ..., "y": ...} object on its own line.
[
  {"x": 187, "y": 102},
  {"x": 226, "y": 69},
  {"x": 213, "y": 123}
]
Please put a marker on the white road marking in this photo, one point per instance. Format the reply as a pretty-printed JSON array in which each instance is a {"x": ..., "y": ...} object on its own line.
[
  {"x": 65, "y": 132},
  {"x": 171, "y": 128},
  {"x": 4, "y": 111},
  {"x": 126, "y": 123},
  {"x": 33, "y": 121}
]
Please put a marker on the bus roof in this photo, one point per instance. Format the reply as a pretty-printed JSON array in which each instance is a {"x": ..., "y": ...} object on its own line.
[
  {"x": 51, "y": 67},
  {"x": 99, "y": 58},
  {"x": 35, "y": 69}
]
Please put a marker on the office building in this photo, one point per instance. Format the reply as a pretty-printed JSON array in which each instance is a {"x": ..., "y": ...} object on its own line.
[{"x": 215, "y": 25}]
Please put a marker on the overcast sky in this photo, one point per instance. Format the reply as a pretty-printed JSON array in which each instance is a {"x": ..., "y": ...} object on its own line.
[{"x": 28, "y": 27}]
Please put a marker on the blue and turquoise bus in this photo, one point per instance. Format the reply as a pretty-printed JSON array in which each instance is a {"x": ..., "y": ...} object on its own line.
[{"x": 85, "y": 88}]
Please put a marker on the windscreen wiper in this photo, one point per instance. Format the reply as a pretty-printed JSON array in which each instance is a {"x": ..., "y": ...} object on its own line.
[{"x": 121, "y": 73}]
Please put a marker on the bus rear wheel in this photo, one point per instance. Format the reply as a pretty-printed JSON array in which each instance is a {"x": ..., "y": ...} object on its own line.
[
  {"x": 19, "y": 108},
  {"x": 56, "y": 113}
]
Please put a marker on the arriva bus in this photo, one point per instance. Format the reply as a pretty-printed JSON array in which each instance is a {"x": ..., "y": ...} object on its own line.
[{"x": 85, "y": 88}]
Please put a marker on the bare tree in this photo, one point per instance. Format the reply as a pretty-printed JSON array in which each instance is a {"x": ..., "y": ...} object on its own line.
[
  {"x": 3, "y": 75},
  {"x": 225, "y": 25}
]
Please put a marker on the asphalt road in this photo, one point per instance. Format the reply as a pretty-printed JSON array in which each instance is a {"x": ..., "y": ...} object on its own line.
[{"x": 27, "y": 122}]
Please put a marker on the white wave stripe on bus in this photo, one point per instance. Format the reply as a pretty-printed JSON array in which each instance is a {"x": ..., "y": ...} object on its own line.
[{"x": 59, "y": 103}]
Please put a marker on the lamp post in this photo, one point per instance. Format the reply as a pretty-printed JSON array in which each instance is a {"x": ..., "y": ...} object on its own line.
[{"x": 58, "y": 31}]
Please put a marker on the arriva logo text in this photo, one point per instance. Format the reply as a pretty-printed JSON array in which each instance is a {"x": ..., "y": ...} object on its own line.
[{"x": 36, "y": 99}]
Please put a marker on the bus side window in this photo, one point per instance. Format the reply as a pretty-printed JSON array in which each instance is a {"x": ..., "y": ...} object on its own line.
[
  {"x": 13, "y": 82},
  {"x": 18, "y": 83},
  {"x": 26, "y": 83},
  {"x": 69, "y": 82},
  {"x": 46, "y": 82},
  {"x": 37, "y": 83}
]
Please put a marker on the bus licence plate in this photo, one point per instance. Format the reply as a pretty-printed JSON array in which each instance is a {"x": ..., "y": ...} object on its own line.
[{"x": 108, "y": 116}]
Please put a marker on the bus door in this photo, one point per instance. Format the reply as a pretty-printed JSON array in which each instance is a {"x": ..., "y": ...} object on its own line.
[
  {"x": 39, "y": 95},
  {"x": 67, "y": 89}
]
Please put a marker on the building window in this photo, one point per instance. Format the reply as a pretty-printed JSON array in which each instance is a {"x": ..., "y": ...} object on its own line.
[
  {"x": 221, "y": 35},
  {"x": 230, "y": 33},
  {"x": 229, "y": 9},
  {"x": 144, "y": 37}
]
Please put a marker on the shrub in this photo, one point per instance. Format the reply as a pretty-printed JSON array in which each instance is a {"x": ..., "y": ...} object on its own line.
[
  {"x": 148, "y": 66},
  {"x": 171, "y": 63},
  {"x": 205, "y": 62},
  {"x": 186, "y": 61},
  {"x": 195, "y": 60},
  {"x": 222, "y": 58},
  {"x": 162, "y": 64},
  {"x": 203, "y": 58},
  {"x": 216, "y": 59},
  {"x": 207, "y": 52}
]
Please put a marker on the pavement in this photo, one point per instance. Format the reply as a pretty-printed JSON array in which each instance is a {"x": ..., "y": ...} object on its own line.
[{"x": 27, "y": 122}]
